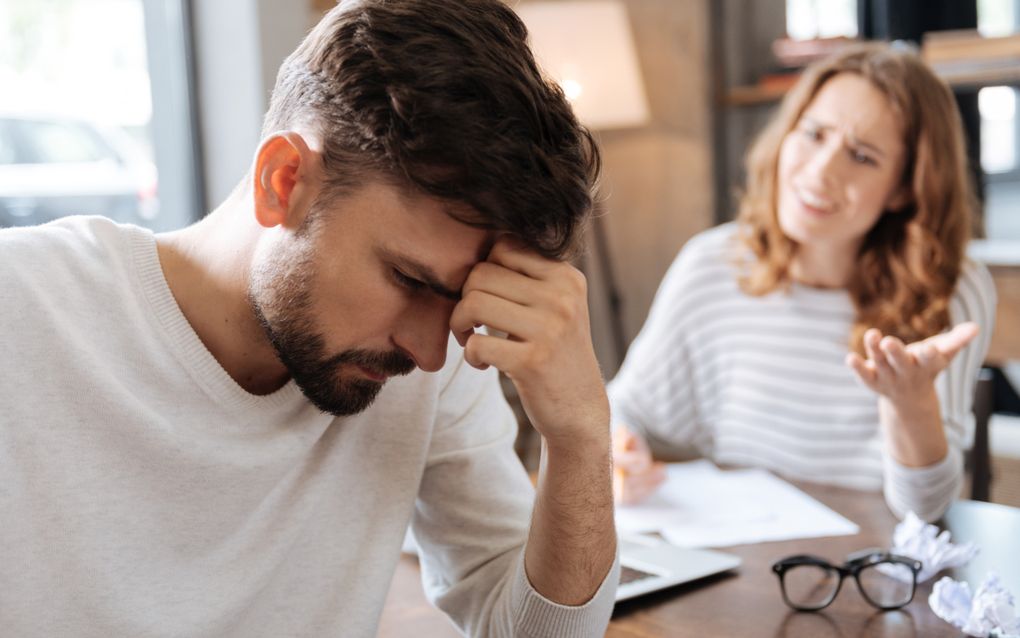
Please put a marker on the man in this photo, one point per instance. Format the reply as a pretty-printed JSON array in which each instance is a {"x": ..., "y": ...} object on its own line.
[{"x": 224, "y": 431}]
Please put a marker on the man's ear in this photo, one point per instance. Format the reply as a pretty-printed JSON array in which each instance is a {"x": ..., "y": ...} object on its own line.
[{"x": 283, "y": 179}]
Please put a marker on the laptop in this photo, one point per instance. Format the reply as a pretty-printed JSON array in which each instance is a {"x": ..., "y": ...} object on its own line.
[{"x": 648, "y": 564}]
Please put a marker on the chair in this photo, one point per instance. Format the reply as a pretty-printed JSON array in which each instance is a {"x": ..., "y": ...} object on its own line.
[{"x": 979, "y": 461}]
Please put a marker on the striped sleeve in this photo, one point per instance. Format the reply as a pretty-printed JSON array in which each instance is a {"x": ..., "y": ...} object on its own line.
[
  {"x": 652, "y": 394},
  {"x": 928, "y": 491}
]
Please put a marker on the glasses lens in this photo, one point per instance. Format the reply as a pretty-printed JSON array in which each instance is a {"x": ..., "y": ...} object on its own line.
[
  {"x": 887, "y": 584},
  {"x": 810, "y": 586}
]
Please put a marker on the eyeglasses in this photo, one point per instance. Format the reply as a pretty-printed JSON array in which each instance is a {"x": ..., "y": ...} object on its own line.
[{"x": 810, "y": 583}]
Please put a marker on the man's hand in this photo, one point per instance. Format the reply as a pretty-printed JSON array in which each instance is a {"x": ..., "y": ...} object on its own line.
[{"x": 542, "y": 306}]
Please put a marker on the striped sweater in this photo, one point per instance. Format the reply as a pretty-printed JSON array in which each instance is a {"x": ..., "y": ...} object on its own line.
[{"x": 761, "y": 381}]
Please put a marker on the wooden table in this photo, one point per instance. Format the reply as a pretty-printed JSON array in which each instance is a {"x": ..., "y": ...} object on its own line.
[{"x": 748, "y": 603}]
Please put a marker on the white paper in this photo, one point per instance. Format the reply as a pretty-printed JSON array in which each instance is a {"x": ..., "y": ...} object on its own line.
[{"x": 700, "y": 505}]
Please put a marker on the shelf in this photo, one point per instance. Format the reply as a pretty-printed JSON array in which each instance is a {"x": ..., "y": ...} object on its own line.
[
  {"x": 956, "y": 75},
  {"x": 753, "y": 95},
  {"x": 976, "y": 77}
]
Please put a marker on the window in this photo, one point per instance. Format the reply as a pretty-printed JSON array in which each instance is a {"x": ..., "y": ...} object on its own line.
[
  {"x": 996, "y": 17},
  {"x": 8, "y": 154},
  {"x": 807, "y": 19},
  {"x": 49, "y": 142},
  {"x": 997, "y": 105},
  {"x": 78, "y": 91},
  {"x": 1000, "y": 133}
]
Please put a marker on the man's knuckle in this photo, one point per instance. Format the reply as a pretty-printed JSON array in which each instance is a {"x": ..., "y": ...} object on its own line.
[{"x": 578, "y": 281}]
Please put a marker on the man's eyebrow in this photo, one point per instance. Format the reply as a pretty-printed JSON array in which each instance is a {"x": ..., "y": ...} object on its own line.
[
  {"x": 853, "y": 138},
  {"x": 414, "y": 268}
]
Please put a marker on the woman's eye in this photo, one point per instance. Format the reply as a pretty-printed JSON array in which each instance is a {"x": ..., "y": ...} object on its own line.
[
  {"x": 811, "y": 133},
  {"x": 862, "y": 158},
  {"x": 408, "y": 282}
]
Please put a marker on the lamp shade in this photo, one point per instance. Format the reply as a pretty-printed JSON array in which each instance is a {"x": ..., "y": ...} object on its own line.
[{"x": 587, "y": 47}]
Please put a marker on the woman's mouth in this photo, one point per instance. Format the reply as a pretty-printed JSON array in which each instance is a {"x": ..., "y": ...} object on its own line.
[{"x": 813, "y": 203}]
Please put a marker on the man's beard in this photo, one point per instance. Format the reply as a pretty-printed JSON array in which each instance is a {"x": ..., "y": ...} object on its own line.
[{"x": 279, "y": 295}]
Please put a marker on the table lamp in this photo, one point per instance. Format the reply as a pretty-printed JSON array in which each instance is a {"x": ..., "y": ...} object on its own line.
[{"x": 586, "y": 46}]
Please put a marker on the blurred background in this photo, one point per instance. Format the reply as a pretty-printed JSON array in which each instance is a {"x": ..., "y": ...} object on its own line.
[{"x": 149, "y": 111}]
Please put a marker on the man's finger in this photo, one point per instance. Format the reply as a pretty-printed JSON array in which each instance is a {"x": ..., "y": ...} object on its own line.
[
  {"x": 482, "y": 350},
  {"x": 483, "y": 308},
  {"x": 462, "y": 335},
  {"x": 503, "y": 282},
  {"x": 508, "y": 253}
]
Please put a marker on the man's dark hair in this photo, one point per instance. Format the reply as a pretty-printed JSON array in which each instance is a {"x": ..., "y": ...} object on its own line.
[{"x": 443, "y": 97}]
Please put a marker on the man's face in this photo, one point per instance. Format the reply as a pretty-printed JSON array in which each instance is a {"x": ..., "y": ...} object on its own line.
[{"x": 363, "y": 291}]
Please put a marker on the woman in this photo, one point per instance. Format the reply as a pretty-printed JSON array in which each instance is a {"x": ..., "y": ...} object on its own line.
[{"x": 835, "y": 331}]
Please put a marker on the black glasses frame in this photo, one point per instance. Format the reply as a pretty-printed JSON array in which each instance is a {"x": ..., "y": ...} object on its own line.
[{"x": 853, "y": 567}]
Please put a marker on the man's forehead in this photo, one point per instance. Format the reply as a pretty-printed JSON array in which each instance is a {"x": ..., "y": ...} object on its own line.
[
  {"x": 444, "y": 271},
  {"x": 433, "y": 236}
]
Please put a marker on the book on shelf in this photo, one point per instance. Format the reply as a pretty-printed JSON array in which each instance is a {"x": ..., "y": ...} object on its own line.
[
  {"x": 781, "y": 81},
  {"x": 969, "y": 46},
  {"x": 795, "y": 54}
]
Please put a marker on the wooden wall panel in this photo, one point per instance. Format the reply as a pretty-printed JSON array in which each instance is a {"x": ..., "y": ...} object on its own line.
[
  {"x": 657, "y": 180},
  {"x": 1006, "y": 337},
  {"x": 322, "y": 6}
]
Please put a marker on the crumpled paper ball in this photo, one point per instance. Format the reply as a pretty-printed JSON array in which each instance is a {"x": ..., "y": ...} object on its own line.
[
  {"x": 916, "y": 539},
  {"x": 989, "y": 613}
]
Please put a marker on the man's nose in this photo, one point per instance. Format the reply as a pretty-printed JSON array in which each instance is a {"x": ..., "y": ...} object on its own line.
[{"x": 424, "y": 336}]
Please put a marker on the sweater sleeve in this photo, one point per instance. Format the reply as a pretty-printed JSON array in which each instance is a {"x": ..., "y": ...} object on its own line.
[
  {"x": 472, "y": 517},
  {"x": 928, "y": 491},
  {"x": 653, "y": 393}
]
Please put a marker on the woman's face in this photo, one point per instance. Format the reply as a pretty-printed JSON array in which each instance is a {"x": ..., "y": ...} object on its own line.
[{"x": 841, "y": 166}]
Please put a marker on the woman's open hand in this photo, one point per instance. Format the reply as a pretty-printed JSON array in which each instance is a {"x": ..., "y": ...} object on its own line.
[{"x": 902, "y": 373}]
